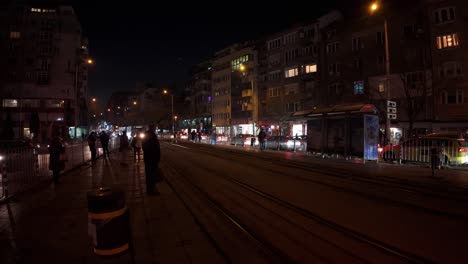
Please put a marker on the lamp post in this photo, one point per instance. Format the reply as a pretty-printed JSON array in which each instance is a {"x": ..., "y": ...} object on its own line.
[
  {"x": 172, "y": 111},
  {"x": 77, "y": 66},
  {"x": 373, "y": 8}
]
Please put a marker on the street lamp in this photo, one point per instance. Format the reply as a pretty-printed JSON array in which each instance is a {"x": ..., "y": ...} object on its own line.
[
  {"x": 373, "y": 8},
  {"x": 88, "y": 61},
  {"x": 172, "y": 110}
]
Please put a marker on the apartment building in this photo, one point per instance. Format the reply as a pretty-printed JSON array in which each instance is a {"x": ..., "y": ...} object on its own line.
[
  {"x": 289, "y": 76},
  {"x": 199, "y": 99},
  {"x": 354, "y": 56},
  {"x": 43, "y": 68},
  {"x": 234, "y": 90},
  {"x": 448, "y": 38}
]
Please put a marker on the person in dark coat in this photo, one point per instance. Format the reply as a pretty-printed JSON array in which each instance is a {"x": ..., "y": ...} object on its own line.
[
  {"x": 92, "y": 145},
  {"x": 261, "y": 139},
  {"x": 193, "y": 135},
  {"x": 55, "y": 164},
  {"x": 151, "y": 157},
  {"x": 105, "y": 143}
]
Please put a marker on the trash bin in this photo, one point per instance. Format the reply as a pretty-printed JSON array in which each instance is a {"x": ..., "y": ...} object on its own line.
[{"x": 108, "y": 222}]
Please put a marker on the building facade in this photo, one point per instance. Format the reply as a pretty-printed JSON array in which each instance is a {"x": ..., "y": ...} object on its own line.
[
  {"x": 289, "y": 76},
  {"x": 43, "y": 70},
  {"x": 234, "y": 90},
  {"x": 448, "y": 29},
  {"x": 198, "y": 99}
]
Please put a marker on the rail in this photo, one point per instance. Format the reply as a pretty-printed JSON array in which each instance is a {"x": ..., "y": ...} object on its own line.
[{"x": 21, "y": 168}]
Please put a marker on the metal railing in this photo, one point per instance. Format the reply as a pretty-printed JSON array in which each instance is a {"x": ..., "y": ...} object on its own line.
[
  {"x": 23, "y": 167},
  {"x": 450, "y": 152}
]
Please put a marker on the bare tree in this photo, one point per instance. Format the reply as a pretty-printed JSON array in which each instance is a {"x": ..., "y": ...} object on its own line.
[{"x": 415, "y": 92}]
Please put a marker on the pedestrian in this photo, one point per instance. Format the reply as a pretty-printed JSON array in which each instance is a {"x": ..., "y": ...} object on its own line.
[
  {"x": 193, "y": 135},
  {"x": 92, "y": 145},
  {"x": 199, "y": 134},
  {"x": 213, "y": 138},
  {"x": 104, "y": 137},
  {"x": 151, "y": 157},
  {"x": 56, "y": 149},
  {"x": 261, "y": 139},
  {"x": 124, "y": 146},
  {"x": 136, "y": 144}
]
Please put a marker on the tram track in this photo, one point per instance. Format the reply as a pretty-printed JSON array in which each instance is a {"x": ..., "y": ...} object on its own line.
[
  {"x": 287, "y": 208},
  {"x": 349, "y": 176}
]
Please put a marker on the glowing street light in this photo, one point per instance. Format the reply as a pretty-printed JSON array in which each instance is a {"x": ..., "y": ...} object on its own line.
[
  {"x": 89, "y": 61},
  {"x": 94, "y": 99},
  {"x": 134, "y": 102},
  {"x": 374, "y": 7},
  {"x": 108, "y": 110}
]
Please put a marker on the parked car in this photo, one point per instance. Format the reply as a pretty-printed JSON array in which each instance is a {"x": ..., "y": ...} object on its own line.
[
  {"x": 284, "y": 143},
  {"x": 453, "y": 151},
  {"x": 244, "y": 140}
]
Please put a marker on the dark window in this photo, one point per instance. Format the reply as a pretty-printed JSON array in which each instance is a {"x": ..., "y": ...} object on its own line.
[
  {"x": 444, "y": 15},
  {"x": 436, "y": 16},
  {"x": 451, "y": 98}
]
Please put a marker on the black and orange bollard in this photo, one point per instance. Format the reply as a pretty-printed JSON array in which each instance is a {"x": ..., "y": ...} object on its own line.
[{"x": 109, "y": 223}]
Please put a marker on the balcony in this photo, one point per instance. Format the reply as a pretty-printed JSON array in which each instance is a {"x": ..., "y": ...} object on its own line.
[
  {"x": 247, "y": 93},
  {"x": 247, "y": 107}
]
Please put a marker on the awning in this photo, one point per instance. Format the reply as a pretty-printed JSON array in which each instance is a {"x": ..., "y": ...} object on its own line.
[{"x": 337, "y": 110}]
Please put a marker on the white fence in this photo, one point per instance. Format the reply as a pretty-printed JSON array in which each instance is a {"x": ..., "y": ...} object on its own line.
[{"x": 24, "y": 167}]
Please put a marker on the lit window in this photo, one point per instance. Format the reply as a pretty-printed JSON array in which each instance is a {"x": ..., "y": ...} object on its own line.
[
  {"x": 381, "y": 87},
  {"x": 291, "y": 72},
  {"x": 358, "y": 87},
  {"x": 36, "y": 10},
  {"x": 447, "y": 41},
  {"x": 15, "y": 35},
  {"x": 311, "y": 68},
  {"x": 10, "y": 103}
]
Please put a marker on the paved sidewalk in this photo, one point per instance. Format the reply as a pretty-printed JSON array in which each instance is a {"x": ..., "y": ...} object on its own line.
[{"x": 50, "y": 224}]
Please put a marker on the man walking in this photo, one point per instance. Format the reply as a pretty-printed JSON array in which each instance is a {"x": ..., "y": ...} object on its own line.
[{"x": 151, "y": 157}]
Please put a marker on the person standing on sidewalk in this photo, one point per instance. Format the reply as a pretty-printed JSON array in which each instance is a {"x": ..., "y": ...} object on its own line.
[
  {"x": 136, "y": 144},
  {"x": 261, "y": 139},
  {"x": 55, "y": 150},
  {"x": 92, "y": 145},
  {"x": 124, "y": 146},
  {"x": 105, "y": 143},
  {"x": 151, "y": 157}
]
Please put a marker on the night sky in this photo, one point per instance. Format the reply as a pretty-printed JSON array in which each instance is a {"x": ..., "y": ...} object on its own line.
[{"x": 141, "y": 41}]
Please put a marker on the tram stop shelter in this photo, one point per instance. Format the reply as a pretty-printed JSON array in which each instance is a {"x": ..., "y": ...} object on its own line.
[{"x": 347, "y": 130}]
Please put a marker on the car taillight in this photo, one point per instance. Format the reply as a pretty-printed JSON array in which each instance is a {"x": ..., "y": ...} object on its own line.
[{"x": 462, "y": 150}]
